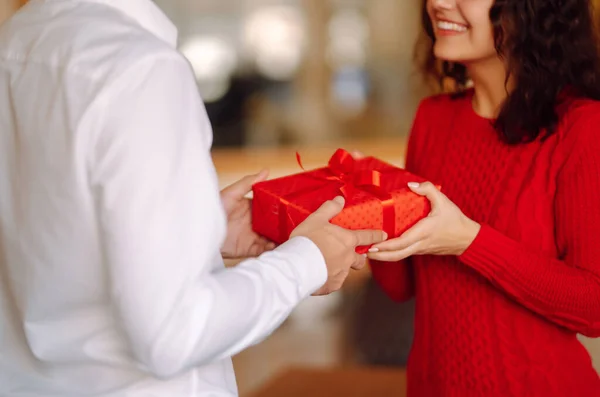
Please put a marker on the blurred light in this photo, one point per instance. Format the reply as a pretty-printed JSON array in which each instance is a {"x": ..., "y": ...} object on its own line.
[
  {"x": 348, "y": 38},
  {"x": 275, "y": 39},
  {"x": 350, "y": 90},
  {"x": 213, "y": 90},
  {"x": 214, "y": 61}
]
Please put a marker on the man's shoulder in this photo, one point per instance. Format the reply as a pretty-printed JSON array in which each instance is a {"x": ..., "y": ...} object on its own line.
[{"x": 86, "y": 38}]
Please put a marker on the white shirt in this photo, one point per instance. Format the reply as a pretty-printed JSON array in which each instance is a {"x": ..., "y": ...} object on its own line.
[{"x": 111, "y": 279}]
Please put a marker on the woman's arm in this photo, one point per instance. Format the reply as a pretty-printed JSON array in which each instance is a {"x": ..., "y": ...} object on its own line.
[
  {"x": 563, "y": 289},
  {"x": 396, "y": 278},
  {"x": 566, "y": 290}
]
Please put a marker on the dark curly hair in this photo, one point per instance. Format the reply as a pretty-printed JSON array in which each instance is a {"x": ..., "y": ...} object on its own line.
[{"x": 549, "y": 45}]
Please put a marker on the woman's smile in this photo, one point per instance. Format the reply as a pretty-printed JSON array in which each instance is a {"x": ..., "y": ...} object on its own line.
[{"x": 449, "y": 28}]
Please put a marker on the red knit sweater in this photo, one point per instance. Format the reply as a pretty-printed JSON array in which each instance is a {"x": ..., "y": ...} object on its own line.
[{"x": 502, "y": 319}]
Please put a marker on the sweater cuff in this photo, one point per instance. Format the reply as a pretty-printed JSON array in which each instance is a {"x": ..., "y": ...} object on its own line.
[{"x": 489, "y": 252}]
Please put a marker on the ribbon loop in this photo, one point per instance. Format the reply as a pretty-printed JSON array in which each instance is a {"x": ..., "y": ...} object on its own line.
[
  {"x": 342, "y": 170},
  {"x": 342, "y": 162}
]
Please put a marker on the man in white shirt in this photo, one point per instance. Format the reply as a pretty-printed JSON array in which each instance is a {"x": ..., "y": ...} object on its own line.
[{"x": 112, "y": 228}]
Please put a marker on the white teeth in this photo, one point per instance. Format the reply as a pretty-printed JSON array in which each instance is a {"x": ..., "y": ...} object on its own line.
[{"x": 451, "y": 26}]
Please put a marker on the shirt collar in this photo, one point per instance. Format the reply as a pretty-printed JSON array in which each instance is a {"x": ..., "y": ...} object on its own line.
[{"x": 148, "y": 15}]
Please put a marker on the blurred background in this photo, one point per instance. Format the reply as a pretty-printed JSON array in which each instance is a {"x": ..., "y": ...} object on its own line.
[
  {"x": 280, "y": 76},
  {"x": 287, "y": 72}
]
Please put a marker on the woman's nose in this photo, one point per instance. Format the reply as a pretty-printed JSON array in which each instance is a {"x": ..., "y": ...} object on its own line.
[{"x": 443, "y": 4}]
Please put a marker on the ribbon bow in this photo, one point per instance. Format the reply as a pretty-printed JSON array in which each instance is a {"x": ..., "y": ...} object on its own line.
[{"x": 342, "y": 170}]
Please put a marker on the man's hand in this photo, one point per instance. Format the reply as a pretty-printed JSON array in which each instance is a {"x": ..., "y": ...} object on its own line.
[
  {"x": 336, "y": 244},
  {"x": 241, "y": 241}
]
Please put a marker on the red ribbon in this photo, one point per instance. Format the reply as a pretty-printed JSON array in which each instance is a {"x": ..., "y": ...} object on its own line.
[{"x": 342, "y": 170}]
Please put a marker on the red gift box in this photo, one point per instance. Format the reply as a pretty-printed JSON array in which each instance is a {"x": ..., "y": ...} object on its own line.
[{"x": 376, "y": 193}]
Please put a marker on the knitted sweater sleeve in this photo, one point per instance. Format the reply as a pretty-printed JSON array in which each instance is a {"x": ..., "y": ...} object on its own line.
[
  {"x": 396, "y": 278},
  {"x": 564, "y": 290}
]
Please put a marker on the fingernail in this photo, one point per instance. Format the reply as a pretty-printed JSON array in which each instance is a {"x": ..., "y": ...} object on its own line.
[
  {"x": 414, "y": 185},
  {"x": 385, "y": 236},
  {"x": 373, "y": 250},
  {"x": 364, "y": 255}
]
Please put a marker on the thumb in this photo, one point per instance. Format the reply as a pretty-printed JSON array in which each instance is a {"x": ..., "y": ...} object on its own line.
[
  {"x": 244, "y": 185},
  {"x": 428, "y": 190},
  {"x": 330, "y": 208}
]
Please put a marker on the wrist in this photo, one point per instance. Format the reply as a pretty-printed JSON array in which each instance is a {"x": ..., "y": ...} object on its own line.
[{"x": 470, "y": 230}]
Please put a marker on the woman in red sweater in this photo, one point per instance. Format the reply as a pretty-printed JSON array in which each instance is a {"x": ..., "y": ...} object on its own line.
[{"x": 506, "y": 269}]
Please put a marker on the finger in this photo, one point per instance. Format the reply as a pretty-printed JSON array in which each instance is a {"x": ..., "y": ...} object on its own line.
[
  {"x": 330, "y": 209},
  {"x": 262, "y": 176},
  {"x": 255, "y": 250},
  {"x": 359, "y": 262},
  {"x": 263, "y": 245},
  {"x": 415, "y": 234},
  {"x": 258, "y": 248},
  {"x": 368, "y": 237},
  {"x": 244, "y": 185},
  {"x": 320, "y": 292},
  {"x": 394, "y": 256},
  {"x": 428, "y": 189},
  {"x": 263, "y": 242}
]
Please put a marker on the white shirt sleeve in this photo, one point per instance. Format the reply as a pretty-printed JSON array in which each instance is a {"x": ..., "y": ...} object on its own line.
[{"x": 162, "y": 225}]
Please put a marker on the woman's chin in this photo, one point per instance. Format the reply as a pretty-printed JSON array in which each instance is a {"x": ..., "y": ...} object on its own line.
[{"x": 448, "y": 54}]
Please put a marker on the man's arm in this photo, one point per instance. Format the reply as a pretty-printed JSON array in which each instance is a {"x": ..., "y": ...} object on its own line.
[{"x": 162, "y": 225}]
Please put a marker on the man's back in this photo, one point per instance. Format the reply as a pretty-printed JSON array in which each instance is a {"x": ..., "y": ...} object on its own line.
[
  {"x": 111, "y": 220},
  {"x": 58, "y": 332}
]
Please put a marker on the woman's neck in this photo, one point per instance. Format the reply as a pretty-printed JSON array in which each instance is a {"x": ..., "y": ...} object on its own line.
[{"x": 490, "y": 86}]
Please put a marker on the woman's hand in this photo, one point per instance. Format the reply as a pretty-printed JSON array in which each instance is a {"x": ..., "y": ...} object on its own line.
[
  {"x": 446, "y": 231},
  {"x": 241, "y": 240}
]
